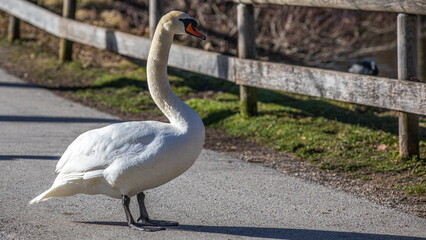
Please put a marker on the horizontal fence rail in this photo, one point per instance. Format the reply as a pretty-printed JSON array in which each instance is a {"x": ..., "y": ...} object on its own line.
[
  {"x": 407, "y": 96},
  {"x": 374, "y": 91},
  {"x": 399, "y": 6}
]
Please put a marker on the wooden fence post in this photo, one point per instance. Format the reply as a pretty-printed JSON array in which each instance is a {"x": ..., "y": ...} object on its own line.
[
  {"x": 247, "y": 49},
  {"x": 13, "y": 30},
  {"x": 65, "y": 46},
  {"x": 156, "y": 11},
  {"x": 408, "y": 68},
  {"x": 422, "y": 48}
]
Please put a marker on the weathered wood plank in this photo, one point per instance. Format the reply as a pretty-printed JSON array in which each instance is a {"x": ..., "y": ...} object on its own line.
[
  {"x": 381, "y": 92},
  {"x": 123, "y": 43},
  {"x": 65, "y": 45},
  {"x": 199, "y": 61},
  {"x": 374, "y": 91},
  {"x": 32, "y": 14},
  {"x": 422, "y": 48},
  {"x": 407, "y": 69},
  {"x": 82, "y": 33},
  {"x": 187, "y": 58},
  {"x": 246, "y": 31},
  {"x": 14, "y": 28},
  {"x": 247, "y": 49},
  {"x": 400, "y": 6},
  {"x": 156, "y": 11}
]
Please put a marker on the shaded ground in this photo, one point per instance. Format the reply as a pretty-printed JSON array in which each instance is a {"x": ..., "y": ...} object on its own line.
[
  {"x": 219, "y": 197},
  {"x": 380, "y": 190},
  {"x": 130, "y": 16}
]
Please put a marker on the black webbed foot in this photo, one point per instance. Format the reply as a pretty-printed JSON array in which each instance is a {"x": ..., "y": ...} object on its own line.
[
  {"x": 144, "y": 218},
  {"x": 131, "y": 222}
]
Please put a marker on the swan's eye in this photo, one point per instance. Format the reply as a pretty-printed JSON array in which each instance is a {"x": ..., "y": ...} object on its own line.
[
  {"x": 194, "y": 23},
  {"x": 188, "y": 21}
]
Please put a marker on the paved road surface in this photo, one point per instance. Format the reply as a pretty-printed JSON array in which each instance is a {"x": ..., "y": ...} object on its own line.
[{"x": 218, "y": 198}]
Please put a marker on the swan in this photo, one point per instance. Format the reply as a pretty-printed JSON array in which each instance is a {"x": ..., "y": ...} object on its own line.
[{"x": 124, "y": 159}]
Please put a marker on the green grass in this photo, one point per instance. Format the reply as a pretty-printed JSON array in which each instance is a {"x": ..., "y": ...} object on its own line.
[
  {"x": 416, "y": 188},
  {"x": 327, "y": 133},
  {"x": 300, "y": 125},
  {"x": 125, "y": 90},
  {"x": 334, "y": 136}
]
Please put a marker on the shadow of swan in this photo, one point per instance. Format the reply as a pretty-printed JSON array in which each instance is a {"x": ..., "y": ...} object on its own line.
[{"x": 274, "y": 233}]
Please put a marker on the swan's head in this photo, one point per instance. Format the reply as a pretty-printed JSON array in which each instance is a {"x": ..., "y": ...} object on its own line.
[{"x": 181, "y": 23}]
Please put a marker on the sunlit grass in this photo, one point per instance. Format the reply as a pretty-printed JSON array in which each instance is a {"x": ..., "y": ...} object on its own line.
[{"x": 334, "y": 136}]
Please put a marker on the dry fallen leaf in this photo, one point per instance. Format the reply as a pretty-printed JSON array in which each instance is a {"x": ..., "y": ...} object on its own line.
[{"x": 381, "y": 147}]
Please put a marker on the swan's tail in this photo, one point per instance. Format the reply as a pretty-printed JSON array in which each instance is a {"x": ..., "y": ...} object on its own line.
[
  {"x": 63, "y": 186},
  {"x": 70, "y": 184},
  {"x": 42, "y": 197}
]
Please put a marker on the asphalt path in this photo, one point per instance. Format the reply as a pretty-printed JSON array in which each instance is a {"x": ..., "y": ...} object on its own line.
[{"x": 218, "y": 198}]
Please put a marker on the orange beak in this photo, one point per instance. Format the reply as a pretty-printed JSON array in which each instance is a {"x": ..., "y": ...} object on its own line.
[{"x": 193, "y": 31}]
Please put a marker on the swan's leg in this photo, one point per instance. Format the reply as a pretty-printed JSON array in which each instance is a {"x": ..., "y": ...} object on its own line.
[
  {"x": 144, "y": 214},
  {"x": 131, "y": 222}
]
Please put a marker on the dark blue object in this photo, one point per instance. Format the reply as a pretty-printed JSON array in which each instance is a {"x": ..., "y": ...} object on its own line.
[{"x": 364, "y": 67}]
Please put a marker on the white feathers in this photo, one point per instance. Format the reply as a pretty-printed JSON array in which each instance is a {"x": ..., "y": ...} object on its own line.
[
  {"x": 93, "y": 174},
  {"x": 128, "y": 158}
]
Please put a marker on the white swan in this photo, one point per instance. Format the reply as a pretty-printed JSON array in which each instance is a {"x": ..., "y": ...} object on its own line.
[{"x": 122, "y": 160}]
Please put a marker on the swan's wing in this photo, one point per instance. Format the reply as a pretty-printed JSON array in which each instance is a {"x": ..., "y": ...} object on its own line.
[{"x": 97, "y": 149}]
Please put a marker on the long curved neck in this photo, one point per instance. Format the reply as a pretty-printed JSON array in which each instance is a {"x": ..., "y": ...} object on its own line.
[{"x": 173, "y": 108}]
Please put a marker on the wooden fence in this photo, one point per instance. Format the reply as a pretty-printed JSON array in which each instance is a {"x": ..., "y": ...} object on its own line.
[{"x": 408, "y": 97}]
